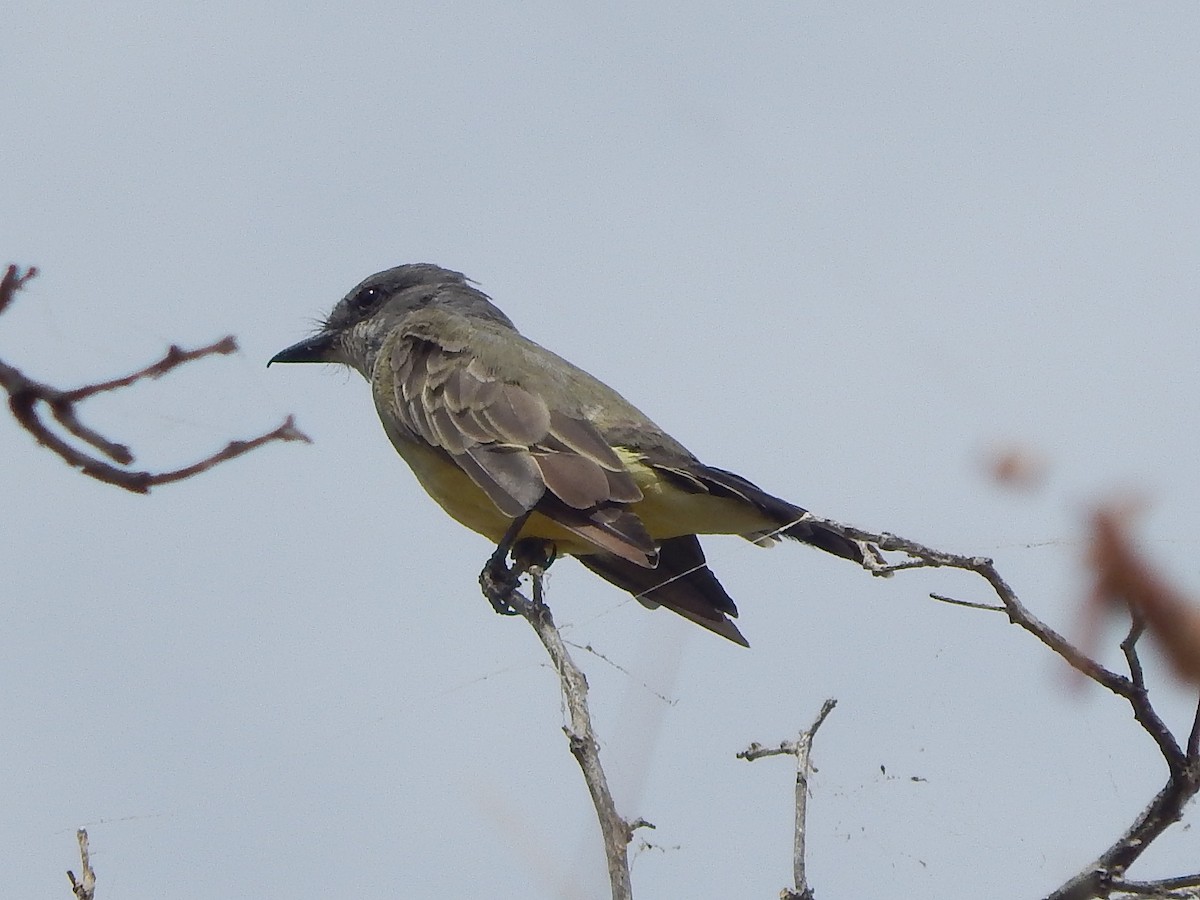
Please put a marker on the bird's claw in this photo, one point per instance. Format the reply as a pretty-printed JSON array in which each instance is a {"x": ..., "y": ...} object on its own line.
[{"x": 499, "y": 582}]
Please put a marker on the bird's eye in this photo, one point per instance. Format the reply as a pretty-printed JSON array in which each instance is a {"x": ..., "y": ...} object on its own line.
[{"x": 366, "y": 299}]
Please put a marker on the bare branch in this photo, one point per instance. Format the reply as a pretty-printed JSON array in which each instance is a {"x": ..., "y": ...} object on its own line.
[
  {"x": 1180, "y": 887},
  {"x": 1139, "y": 699},
  {"x": 1183, "y": 780},
  {"x": 1124, "y": 579},
  {"x": 801, "y": 748},
  {"x": 175, "y": 356},
  {"x": 26, "y": 397},
  {"x": 1018, "y": 614},
  {"x": 616, "y": 831},
  {"x": 969, "y": 604},
  {"x": 1162, "y": 812},
  {"x": 285, "y": 432},
  {"x": 1097, "y": 880},
  {"x": 12, "y": 281},
  {"x": 1193, "y": 742},
  {"x": 84, "y": 887}
]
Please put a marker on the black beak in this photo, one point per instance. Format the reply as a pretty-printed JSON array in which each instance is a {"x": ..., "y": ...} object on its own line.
[{"x": 314, "y": 349}]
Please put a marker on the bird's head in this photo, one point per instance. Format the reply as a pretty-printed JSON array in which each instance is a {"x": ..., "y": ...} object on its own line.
[{"x": 358, "y": 325}]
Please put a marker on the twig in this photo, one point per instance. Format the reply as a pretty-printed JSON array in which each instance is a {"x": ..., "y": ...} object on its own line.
[
  {"x": 801, "y": 748},
  {"x": 1183, "y": 781},
  {"x": 969, "y": 604},
  {"x": 1193, "y": 743},
  {"x": 1139, "y": 699},
  {"x": 1097, "y": 880},
  {"x": 1181, "y": 886},
  {"x": 12, "y": 281},
  {"x": 1124, "y": 580},
  {"x": 26, "y": 396},
  {"x": 84, "y": 887},
  {"x": 616, "y": 831},
  {"x": 175, "y": 356}
]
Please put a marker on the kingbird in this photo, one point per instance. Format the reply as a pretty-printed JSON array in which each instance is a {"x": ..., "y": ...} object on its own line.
[{"x": 500, "y": 431}]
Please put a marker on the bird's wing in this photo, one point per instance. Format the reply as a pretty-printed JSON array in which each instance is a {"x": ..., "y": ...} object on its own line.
[{"x": 450, "y": 391}]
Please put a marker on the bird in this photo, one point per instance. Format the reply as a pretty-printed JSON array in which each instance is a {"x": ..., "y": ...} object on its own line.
[{"x": 519, "y": 445}]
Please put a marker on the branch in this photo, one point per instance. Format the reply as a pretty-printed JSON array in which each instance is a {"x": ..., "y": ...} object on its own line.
[
  {"x": 27, "y": 396},
  {"x": 1183, "y": 781},
  {"x": 616, "y": 831},
  {"x": 1123, "y": 578},
  {"x": 84, "y": 887},
  {"x": 800, "y": 748},
  {"x": 1098, "y": 879},
  {"x": 12, "y": 281},
  {"x": 1178, "y": 888}
]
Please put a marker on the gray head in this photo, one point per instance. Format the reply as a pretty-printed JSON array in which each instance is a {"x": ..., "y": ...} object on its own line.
[{"x": 357, "y": 326}]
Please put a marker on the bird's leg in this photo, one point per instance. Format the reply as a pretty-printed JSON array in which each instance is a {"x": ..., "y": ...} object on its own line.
[
  {"x": 497, "y": 579},
  {"x": 533, "y": 553}
]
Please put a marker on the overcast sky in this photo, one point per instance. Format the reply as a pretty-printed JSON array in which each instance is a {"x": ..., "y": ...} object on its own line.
[{"x": 843, "y": 249}]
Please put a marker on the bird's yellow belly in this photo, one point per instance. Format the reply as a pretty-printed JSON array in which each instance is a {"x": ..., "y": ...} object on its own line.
[
  {"x": 664, "y": 509},
  {"x": 454, "y": 491},
  {"x": 668, "y": 511}
]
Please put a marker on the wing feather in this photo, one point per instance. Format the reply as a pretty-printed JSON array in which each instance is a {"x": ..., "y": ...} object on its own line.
[
  {"x": 580, "y": 436},
  {"x": 416, "y": 416},
  {"x": 508, "y": 475},
  {"x": 517, "y": 416},
  {"x": 575, "y": 480},
  {"x": 521, "y": 453},
  {"x": 448, "y": 430},
  {"x": 474, "y": 427},
  {"x": 459, "y": 390},
  {"x": 622, "y": 488}
]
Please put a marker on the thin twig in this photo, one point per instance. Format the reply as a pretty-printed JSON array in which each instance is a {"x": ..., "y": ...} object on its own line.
[
  {"x": 969, "y": 604},
  {"x": 12, "y": 281},
  {"x": 26, "y": 397},
  {"x": 285, "y": 432},
  {"x": 174, "y": 357},
  {"x": 1018, "y": 614},
  {"x": 1124, "y": 580},
  {"x": 1179, "y": 886},
  {"x": 1139, "y": 699},
  {"x": 1183, "y": 780},
  {"x": 1193, "y": 742},
  {"x": 801, "y": 748}
]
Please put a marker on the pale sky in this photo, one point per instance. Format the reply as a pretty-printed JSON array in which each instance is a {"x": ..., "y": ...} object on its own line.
[{"x": 845, "y": 250}]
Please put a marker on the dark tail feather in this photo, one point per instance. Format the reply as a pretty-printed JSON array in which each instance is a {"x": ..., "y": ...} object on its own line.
[
  {"x": 719, "y": 481},
  {"x": 682, "y": 583},
  {"x": 829, "y": 541}
]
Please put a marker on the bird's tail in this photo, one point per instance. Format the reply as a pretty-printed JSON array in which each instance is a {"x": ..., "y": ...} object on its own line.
[
  {"x": 682, "y": 582},
  {"x": 792, "y": 521}
]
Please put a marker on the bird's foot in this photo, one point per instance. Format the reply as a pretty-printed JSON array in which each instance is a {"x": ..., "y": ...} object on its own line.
[
  {"x": 499, "y": 584},
  {"x": 533, "y": 553},
  {"x": 499, "y": 581}
]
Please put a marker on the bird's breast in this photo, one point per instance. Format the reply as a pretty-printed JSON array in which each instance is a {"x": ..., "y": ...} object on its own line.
[{"x": 454, "y": 491}]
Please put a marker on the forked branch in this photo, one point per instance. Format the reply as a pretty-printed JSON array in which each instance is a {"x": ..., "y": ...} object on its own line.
[
  {"x": 1106, "y": 874},
  {"x": 106, "y": 460},
  {"x": 801, "y": 748},
  {"x": 616, "y": 831},
  {"x": 83, "y": 887}
]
